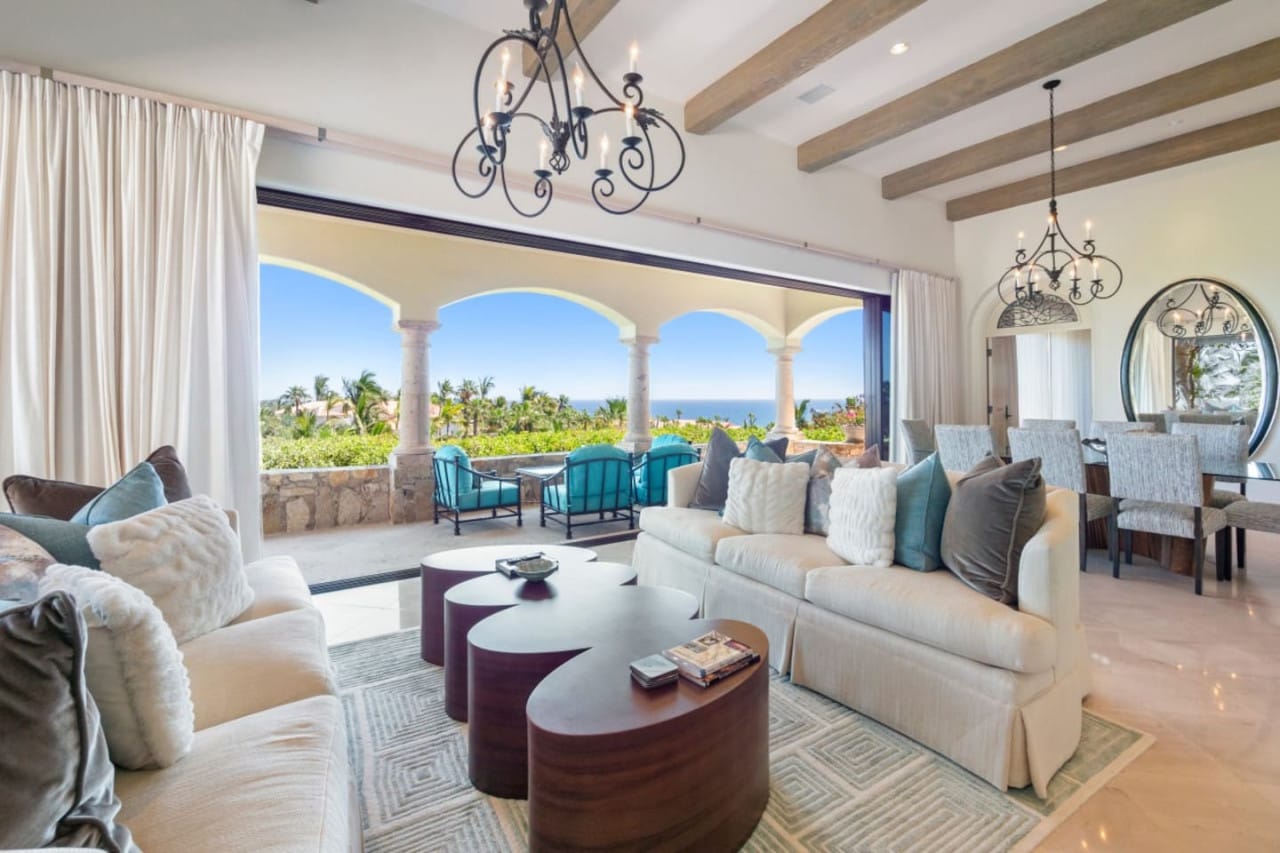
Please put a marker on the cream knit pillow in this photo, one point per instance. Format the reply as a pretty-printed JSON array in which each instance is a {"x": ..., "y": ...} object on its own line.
[
  {"x": 766, "y": 497},
  {"x": 864, "y": 504},
  {"x": 186, "y": 557},
  {"x": 132, "y": 667}
]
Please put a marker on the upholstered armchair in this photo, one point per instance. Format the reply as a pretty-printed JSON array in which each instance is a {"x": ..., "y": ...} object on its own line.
[
  {"x": 650, "y": 473},
  {"x": 460, "y": 488},
  {"x": 596, "y": 481}
]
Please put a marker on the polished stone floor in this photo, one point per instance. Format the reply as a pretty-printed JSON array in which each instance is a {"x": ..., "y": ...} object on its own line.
[{"x": 1201, "y": 674}]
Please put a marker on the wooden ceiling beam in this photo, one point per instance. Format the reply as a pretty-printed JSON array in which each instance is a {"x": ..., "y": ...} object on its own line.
[
  {"x": 831, "y": 29},
  {"x": 586, "y": 15},
  {"x": 1248, "y": 132},
  {"x": 1095, "y": 31},
  {"x": 1218, "y": 78}
]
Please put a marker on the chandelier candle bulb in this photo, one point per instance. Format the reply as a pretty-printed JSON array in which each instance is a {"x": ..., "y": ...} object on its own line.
[
  {"x": 630, "y": 110},
  {"x": 604, "y": 150},
  {"x": 1088, "y": 229},
  {"x": 1021, "y": 237},
  {"x": 542, "y": 155},
  {"x": 635, "y": 56}
]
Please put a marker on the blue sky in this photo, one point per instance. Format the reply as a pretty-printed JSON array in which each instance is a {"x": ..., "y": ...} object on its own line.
[{"x": 313, "y": 325}]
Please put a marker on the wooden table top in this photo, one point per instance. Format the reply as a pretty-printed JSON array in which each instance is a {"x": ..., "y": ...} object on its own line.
[
  {"x": 594, "y": 694},
  {"x": 496, "y": 590},
  {"x": 481, "y": 557}
]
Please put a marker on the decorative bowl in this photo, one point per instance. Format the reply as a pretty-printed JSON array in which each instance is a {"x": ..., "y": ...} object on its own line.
[{"x": 535, "y": 570}]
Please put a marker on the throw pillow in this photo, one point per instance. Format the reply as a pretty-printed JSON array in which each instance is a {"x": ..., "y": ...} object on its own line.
[
  {"x": 132, "y": 666},
  {"x": 766, "y": 497},
  {"x": 995, "y": 509},
  {"x": 759, "y": 451},
  {"x": 59, "y": 782},
  {"x": 869, "y": 458},
  {"x": 186, "y": 557},
  {"x": 61, "y": 499},
  {"x": 713, "y": 483},
  {"x": 863, "y": 507},
  {"x": 808, "y": 457},
  {"x": 135, "y": 492},
  {"x": 923, "y": 495},
  {"x": 22, "y": 562},
  {"x": 817, "y": 510},
  {"x": 65, "y": 540}
]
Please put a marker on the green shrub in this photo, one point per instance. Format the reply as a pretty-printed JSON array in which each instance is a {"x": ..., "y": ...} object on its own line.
[
  {"x": 824, "y": 433},
  {"x": 343, "y": 450}
]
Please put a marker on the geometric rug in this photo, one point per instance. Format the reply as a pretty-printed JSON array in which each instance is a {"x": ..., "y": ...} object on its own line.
[{"x": 839, "y": 780}]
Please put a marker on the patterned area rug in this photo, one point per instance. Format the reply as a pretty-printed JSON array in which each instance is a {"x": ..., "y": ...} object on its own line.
[{"x": 840, "y": 780}]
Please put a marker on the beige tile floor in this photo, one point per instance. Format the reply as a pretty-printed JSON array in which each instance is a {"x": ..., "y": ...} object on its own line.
[{"x": 1201, "y": 674}]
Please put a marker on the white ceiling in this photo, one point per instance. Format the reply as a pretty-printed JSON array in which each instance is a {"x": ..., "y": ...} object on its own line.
[{"x": 688, "y": 44}]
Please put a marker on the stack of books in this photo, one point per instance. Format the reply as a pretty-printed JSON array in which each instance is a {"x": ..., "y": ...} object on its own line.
[
  {"x": 654, "y": 671},
  {"x": 711, "y": 657}
]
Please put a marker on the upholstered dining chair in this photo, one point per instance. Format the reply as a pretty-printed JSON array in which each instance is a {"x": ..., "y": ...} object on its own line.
[
  {"x": 919, "y": 438},
  {"x": 1156, "y": 487},
  {"x": 1047, "y": 423},
  {"x": 1159, "y": 420},
  {"x": 1062, "y": 465},
  {"x": 1209, "y": 418},
  {"x": 1103, "y": 429},
  {"x": 1223, "y": 447},
  {"x": 960, "y": 447}
]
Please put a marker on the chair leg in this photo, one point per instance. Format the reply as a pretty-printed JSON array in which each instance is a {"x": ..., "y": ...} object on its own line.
[
  {"x": 1199, "y": 550},
  {"x": 519, "y": 514},
  {"x": 457, "y": 524},
  {"x": 1222, "y": 554},
  {"x": 1240, "y": 531},
  {"x": 1084, "y": 534},
  {"x": 1113, "y": 538},
  {"x": 1128, "y": 547}
]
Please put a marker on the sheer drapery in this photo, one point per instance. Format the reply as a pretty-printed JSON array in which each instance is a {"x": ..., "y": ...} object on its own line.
[
  {"x": 128, "y": 289},
  {"x": 927, "y": 359},
  {"x": 1151, "y": 366},
  {"x": 1055, "y": 376}
]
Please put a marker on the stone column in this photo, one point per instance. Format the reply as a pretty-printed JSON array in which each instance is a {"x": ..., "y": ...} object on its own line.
[
  {"x": 411, "y": 474},
  {"x": 638, "y": 436},
  {"x": 785, "y": 391}
]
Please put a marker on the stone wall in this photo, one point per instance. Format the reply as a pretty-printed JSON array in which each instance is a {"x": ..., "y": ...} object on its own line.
[{"x": 317, "y": 498}]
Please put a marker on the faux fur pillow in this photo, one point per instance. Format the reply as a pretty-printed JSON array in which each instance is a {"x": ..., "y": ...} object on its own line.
[
  {"x": 864, "y": 504},
  {"x": 186, "y": 557},
  {"x": 766, "y": 497},
  {"x": 132, "y": 666}
]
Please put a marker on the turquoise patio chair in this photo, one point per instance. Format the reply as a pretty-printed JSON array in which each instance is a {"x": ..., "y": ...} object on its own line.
[
  {"x": 461, "y": 488},
  {"x": 595, "y": 480},
  {"x": 651, "y": 471}
]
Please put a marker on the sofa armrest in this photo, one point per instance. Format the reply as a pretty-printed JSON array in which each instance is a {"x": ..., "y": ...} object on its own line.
[
  {"x": 1049, "y": 572},
  {"x": 682, "y": 483}
]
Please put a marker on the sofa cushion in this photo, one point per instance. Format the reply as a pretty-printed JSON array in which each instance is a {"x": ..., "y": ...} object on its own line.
[
  {"x": 766, "y": 497},
  {"x": 273, "y": 781},
  {"x": 863, "y": 509},
  {"x": 778, "y": 560},
  {"x": 939, "y": 610},
  {"x": 694, "y": 531},
  {"x": 136, "y": 492},
  {"x": 490, "y": 494},
  {"x": 249, "y": 667},
  {"x": 278, "y": 587}
]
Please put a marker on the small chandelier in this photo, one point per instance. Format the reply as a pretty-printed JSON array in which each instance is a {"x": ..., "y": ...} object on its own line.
[
  {"x": 1204, "y": 310},
  {"x": 1056, "y": 261},
  {"x": 499, "y": 110}
]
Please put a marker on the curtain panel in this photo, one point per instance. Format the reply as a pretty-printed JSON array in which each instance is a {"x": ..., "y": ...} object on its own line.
[
  {"x": 128, "y": 289},
  {"x": 927, "y": 357}
]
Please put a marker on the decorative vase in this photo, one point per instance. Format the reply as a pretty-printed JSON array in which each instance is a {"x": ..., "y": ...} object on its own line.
[{"x": 854, "y": 433}]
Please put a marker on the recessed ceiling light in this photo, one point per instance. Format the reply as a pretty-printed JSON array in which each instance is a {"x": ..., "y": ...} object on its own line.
[
  {"x": 817, "y": 93},
  {"x": 900, "y": 48},
  {"x": 1061, "y": 148}
]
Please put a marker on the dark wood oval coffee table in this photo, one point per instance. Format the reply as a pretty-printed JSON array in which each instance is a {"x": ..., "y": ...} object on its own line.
[
  {"x": 511, "y": 651},
  {"x": 613, "y": 766},
  {"x": 444, "y": 569},
  {"x": 470, "y": 601}
]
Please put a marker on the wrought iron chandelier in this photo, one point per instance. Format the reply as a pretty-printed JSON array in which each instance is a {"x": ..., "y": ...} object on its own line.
[
  {"x": 1056, "y": 262},
  {"x": 1215, "y": 313},
  {"x": 500, "y": 110}
]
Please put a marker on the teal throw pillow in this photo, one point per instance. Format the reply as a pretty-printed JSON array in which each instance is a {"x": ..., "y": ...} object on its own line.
[
  {"x": 923, "y": 496},
  {"x": 65, "y": 541},
  {"x": 808, "y": 457},
  {"x": 137, "y": 492},
  {"x": 760, "y": 452}
]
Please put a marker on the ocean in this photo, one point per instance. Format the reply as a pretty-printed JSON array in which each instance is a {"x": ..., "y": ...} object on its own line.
[{"x": 733, "y": 411}]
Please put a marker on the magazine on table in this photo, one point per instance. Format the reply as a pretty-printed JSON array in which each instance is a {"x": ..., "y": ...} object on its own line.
[{"x": 710, "y": 657}]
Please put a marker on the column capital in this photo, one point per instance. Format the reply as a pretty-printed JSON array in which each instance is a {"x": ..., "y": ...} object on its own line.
[
  {"x": 785, "y": 351},
  {"x": 638, "y": 340},
  {"x": 424, "y": 327}
]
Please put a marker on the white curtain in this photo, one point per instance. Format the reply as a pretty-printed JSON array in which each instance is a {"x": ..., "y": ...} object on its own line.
[
  {"x": 128, "y": 289},
  {"x": 1151, "y": 366},
  {"x": 1055, "y": 376},
  {"x": 927, "y": 365}
]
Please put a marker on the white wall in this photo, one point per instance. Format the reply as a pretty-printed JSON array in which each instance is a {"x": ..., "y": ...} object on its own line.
[
  {"x": 392, "y": 70},
  {"x": 1215, "y": 218}
]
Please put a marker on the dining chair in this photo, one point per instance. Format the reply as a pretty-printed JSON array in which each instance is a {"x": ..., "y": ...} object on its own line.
[
  {"x": 960, "y": 447},
  {"x": 1223, "y": 447},
  {"x": 1157, "y": 487},
  {"x": 1103, "y": 429},
  {"x": 1209, "y": 417},
  {"x": 1062, "y": 465},
  {"x": 919, "y": 438},
  {"x": 1158, "y": 420},
  {"x": 1047, "y": 423}
]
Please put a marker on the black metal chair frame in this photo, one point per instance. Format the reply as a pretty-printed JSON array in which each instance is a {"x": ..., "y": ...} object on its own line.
[
  {"x": 455, "y": 515},
  {"x": 666, "y": 466},
  {"x": 566, "y": 516}
]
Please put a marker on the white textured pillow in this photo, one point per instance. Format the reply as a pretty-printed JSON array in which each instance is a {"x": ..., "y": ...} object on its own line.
[
  {"x": 864, "y": 504},
  {"x": 766, "y": 497},
  {"x": 186, "y": 557},
  {"x": 132, "y": 666}
]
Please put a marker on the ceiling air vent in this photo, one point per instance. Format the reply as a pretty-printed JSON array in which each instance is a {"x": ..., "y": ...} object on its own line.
[{"x": 817, "y": 93}]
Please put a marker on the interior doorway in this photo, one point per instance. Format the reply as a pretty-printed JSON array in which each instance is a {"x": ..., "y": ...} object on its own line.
[{"x": 1038, "y": 375}]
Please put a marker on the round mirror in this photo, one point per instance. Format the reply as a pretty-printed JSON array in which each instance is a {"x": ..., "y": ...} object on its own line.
[{"x": 1199, "y": 350}]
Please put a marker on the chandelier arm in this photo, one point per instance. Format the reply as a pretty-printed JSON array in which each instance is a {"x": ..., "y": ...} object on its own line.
[
  {"x": 541, "y": 189},
  {"x": 486, "y": 168},
  {"x": 582, "y": 56},
  {"x": 603, "y": 187}
]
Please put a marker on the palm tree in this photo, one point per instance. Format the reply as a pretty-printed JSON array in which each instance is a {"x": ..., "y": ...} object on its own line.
[
  {"x": 365, "y": 396},
  {"x": 528, "y": 393},
  {"x": 467, "y": 394},
  {"x": 445, "y": 389},
  {"x": 615, "y": 409},
  {"x": 294, "y": 398},
  {"x": 802, "y": 414},
  {"x": 485, "y": 385}
]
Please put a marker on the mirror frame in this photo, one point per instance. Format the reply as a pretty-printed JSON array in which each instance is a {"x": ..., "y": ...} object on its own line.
[{"x": 1267, "y": 407}]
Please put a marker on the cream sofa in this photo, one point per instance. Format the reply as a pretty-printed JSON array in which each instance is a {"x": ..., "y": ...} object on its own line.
[
  {"x": 269, "y": 767},
  {"x": 996, "y": 689}
]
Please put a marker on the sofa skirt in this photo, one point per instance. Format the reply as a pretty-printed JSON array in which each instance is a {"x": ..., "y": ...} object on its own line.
[
  {"x": 731, "y": 596},
  {"x": 659, "y": 564}
]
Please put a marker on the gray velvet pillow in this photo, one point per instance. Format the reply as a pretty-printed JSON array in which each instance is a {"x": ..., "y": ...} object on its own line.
[
  {"x": 59, "y": 781},
  {"x": 713, "y": 483},
  {"x": 994, "y": 510}
]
